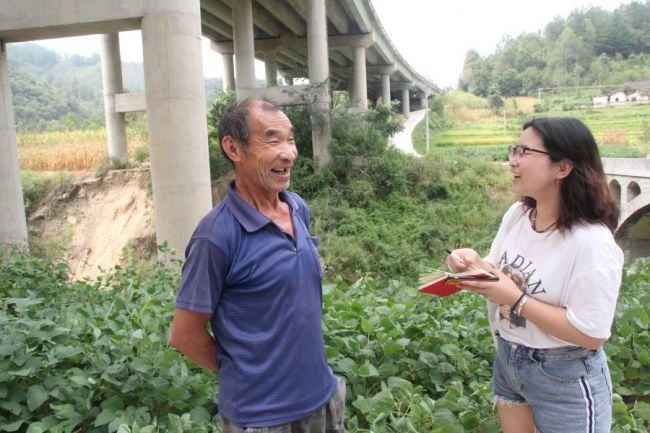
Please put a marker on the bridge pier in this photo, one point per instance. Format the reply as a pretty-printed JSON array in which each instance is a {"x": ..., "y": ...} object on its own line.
[
  {"x": 270, "y": 68},
  {"x": 13, "y": 226},
  {"x": 227, "y": 60},
  {"x": 177, "y": 124},
  {"x": 359, "y": 86},
  {"x": 243, "y": 40},
  {"x": 385, "y": 89},
  {"x": 318, "y": 60},
  {"x": 228, "y": 71},
  {"x": 423, "y": 101},
  {"x": 112, "y": 84},
  {"x": 406, "y": 103}
]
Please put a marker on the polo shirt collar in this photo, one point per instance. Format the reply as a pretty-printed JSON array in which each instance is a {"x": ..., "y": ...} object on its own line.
[{"x": 249, "y": 217}]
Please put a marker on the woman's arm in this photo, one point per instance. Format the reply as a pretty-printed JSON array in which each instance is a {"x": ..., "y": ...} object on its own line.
[
  {"x": 549, "y": 318},
  {"x": 553, "y": 320}
]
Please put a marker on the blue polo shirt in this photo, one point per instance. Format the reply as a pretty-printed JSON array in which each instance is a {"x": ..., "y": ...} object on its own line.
[{"x": 263, "y": 290}]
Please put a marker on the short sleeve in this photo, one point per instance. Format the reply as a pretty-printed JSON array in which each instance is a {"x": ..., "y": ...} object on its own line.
[
  {"x": 509, "y": 218},
  {"x": 594, "y": 286},
  {"x": 204, "y": 275}
]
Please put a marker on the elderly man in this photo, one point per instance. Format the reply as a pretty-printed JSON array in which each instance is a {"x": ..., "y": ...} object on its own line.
[{"x": 252, "y": 270}]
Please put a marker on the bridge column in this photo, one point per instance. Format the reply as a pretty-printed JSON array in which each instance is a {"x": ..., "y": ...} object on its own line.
[
  {"x": 227, "y": 60},
  {"x": 624, "y": 198},
  {"x": 385, "y": 89},
  {"x": 228, "y": 71},
  {"x": 242, "y": 17},
  {"x": 359, "y": 86},
  {"x": 13, "y": 226},
  {"x": 112, "y": 84},
  {"x": 318, "y": 62},
  {"x": 423, "y": 101},
  {"x": 270, "y": 68},
  {"x": 288, "y": 79},
  {"x": 177, "y": 125},
  {"x": 406, "y": 103}
]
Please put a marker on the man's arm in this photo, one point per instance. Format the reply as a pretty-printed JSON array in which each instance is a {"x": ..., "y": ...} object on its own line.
[{"x": 190, "y": 336}]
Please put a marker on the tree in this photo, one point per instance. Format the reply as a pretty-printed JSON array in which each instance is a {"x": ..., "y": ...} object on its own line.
[
  {"x": 569, "y": 58},
  {"x": 531, "y": 80},
  {"x": 470, "y": 66},
  {"x": 619, "y": 36},
  {"x": 553, "y": 30},
  {"x": 494, "y": 98},
  {"x": 600, "y": 68},
  {"x": 32, "y": 54},
  {"x": 637, "y": 18},
  {"x": 482, "y": 80},
  {"x": 509, "y": 82}
]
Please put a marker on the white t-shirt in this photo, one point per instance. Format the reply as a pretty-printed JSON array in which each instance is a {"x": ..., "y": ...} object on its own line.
[{"x": 579, "y": 270}]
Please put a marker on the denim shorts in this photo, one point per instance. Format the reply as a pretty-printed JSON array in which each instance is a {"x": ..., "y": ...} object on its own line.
[{"x": 569, "y": 389}]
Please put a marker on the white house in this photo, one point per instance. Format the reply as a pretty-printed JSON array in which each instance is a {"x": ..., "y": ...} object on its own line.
[
  {"x": 617, "y": 97},
  {"x": 620, "y": 98}
]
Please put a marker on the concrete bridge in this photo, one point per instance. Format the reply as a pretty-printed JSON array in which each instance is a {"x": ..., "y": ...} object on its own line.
[
  {"x": 629, "y": 181},
  {"x": 336, "y": 44}
]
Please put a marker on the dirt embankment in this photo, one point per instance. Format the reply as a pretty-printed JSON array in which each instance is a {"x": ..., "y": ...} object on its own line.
[{"x": 94, "y": 220}]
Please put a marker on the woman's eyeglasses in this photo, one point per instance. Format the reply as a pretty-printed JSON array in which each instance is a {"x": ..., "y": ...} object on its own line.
[{"x": 521, "y": 150}]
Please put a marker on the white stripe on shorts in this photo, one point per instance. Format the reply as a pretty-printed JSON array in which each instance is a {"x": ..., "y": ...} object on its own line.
[{"x": 589, "y": 405}]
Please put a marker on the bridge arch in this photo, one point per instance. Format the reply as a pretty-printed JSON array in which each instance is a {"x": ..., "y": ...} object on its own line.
[
  {"x": 633, "y": 190},
  {"x": 633, "y": 234},
  {"x": 629, "y": 183}
]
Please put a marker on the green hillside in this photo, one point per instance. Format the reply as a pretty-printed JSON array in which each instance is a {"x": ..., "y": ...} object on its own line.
[
  {"x": 55, "y": 92},
  {"x": 590, "y": 47}
]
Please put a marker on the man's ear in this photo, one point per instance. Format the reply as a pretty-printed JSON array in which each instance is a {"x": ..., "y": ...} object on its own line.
[
  {"x": 232, "y": 148},
  {"x": 564, "y": 168}
]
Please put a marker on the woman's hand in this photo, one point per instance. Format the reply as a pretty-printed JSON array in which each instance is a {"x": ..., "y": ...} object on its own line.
[
  {"x": 502, "y": 292},
  {"x": 462, "y": 259}
]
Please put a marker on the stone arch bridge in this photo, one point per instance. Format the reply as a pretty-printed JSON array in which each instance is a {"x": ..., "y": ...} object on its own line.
[{"x": 629, "y": 181}]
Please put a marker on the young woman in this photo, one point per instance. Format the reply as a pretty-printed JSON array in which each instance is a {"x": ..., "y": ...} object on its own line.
[{"x": 559, "y": 275}]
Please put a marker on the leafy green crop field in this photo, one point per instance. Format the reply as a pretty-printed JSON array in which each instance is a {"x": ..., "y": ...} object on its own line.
[{"x": 82, "y": 357}]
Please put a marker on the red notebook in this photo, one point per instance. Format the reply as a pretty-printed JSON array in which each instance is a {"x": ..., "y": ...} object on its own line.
[{"x": 444, "y": 283}]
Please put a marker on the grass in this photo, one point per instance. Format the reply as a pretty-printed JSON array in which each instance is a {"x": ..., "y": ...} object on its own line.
[{"x": 36, "y": 185}]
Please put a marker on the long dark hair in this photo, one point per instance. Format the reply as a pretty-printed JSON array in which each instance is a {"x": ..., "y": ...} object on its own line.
[{"x": 585, "y": 195}]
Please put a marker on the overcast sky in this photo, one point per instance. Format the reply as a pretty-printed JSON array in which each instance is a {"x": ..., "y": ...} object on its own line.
[{"x": 432, "y": 35}]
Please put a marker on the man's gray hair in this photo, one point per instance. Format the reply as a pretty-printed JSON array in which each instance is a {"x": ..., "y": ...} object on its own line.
[{"x": 234, "y": 121}]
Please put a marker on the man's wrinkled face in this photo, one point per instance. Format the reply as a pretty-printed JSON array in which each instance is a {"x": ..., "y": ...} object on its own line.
[{"x": 266, "y": 163}]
